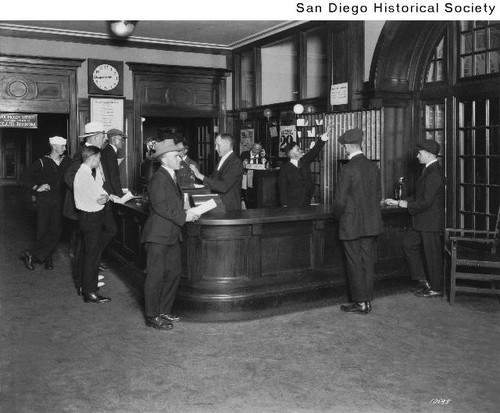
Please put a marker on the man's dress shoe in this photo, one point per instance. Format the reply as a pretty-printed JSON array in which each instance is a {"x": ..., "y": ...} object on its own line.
[
  {"x": 421, "y": 285},
  {"x": 48, "y": 264},
  {"x": 158, "y": 323},
  {"x": 170, "y": 317},
  {"x": 95, "y": 298},
  {"x": 361, "y": 308},
  {"x": 28, "y": 260},
  {"x": 428, "y": 293}
]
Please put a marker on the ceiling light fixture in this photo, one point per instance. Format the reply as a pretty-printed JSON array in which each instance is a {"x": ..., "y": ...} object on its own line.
[{"x": 122, "y": 28}]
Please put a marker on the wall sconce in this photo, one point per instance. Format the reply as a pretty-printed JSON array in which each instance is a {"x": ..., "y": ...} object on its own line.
[
  {"x": 268, "y": 113},
  {"x": 243, "y": 116},
  {"x": 122, "y": 28},
  {"x": 298, "y": 109}
]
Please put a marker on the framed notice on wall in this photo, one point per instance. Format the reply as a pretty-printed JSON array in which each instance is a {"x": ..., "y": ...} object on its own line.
[
  {"x": 246, "y": 139},
  {"x": 109, "y": 111}
]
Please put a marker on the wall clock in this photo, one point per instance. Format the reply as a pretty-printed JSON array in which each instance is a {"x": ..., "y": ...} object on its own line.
[{"x": 105, "y": 77}]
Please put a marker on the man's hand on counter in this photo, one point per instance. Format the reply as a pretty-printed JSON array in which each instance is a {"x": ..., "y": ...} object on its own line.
[
  {"x": 394, "y": 202},
  {"x": 197, "y": 173}
]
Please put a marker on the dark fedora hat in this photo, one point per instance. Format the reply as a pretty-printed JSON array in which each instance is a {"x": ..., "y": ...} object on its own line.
[
  {"x": 429, "y": 145},
  {"x": 167, "y": 145}
]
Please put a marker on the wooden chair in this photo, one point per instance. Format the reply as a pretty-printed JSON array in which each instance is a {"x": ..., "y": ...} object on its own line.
[{"x": 474, "y": 257}]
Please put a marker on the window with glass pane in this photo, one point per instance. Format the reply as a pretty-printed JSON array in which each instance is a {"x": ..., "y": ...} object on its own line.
[
  {"x": 436, "y": 70},
  {"x": 478, "y": 163},
  {"x": 434, "y": 121},
  {"x": 316, "y": 65},
  {"x": 280, "y": 71},
  {"x": 479, "y": 48},
  {"x": 247, "y": 79}
]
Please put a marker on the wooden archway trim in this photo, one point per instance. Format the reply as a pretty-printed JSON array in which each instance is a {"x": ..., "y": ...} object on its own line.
[{"x": 402, "y": 50}]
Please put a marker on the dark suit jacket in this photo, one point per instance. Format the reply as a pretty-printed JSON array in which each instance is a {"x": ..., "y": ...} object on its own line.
[
  {"x": 185, "y": 176},
  {"x": 296, "y": 184},
  {"x": 227, "y": 182},
  {"x": 109, "y": 162},
  {"x": 167, "y": 214},
  {"x": 427, "y": 205},
  {"x": 69, "y": 207},
  {"x": 356, "y": 203}
]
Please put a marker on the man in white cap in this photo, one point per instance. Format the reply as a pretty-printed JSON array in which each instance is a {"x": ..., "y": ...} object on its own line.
[
  {"x": 94, "y": 135},
  {"x": 162, "y": 236},
  {"x": 45, "y": 180}
]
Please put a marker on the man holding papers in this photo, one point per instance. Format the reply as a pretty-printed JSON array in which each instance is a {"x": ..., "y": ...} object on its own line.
[
  {"x": 226, "y": 179},
  {"x": 162, "y": 237}
]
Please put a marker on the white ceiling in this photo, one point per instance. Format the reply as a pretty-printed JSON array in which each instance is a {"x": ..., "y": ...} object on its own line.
[{"x": 223, "y": 34}]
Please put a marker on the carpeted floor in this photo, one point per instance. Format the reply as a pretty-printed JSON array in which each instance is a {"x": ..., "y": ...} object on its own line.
[{"x": 58, "y": 354}]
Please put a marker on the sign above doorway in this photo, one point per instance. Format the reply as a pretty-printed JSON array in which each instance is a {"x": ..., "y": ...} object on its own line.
[{"x": 19, "y": 120}]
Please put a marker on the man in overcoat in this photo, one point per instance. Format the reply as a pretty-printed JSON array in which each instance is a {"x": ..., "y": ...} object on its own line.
[{"x": 356, "y": 206}]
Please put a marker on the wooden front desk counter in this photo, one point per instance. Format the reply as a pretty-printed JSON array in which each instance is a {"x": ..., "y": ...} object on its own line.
[{"x": 246, "y": 264}]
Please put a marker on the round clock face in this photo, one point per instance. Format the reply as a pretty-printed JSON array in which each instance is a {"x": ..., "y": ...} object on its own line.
[{"x": 106, "y": 77}]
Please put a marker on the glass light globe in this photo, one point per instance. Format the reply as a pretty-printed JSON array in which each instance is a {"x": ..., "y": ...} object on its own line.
[{"x": 298, "y": 109}]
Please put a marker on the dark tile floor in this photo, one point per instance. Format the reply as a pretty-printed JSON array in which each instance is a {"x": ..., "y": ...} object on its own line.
[{"x": 58, "y": 354}]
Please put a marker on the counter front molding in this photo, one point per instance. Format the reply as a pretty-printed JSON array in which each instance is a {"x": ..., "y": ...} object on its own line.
[{"x": 252, "y": 263}]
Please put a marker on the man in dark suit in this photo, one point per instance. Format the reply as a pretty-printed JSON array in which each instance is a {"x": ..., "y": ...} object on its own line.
[
  {"x": 185, "y": 176},
  {"x": 295, "y": 180},
  {"x": 109, "y": 162},
  {"x": 426, "y": 208},
  {"x": 356, "y": 205},
  {"x": 256, "y": 155},
  {"x": 226, "y": 179},
  {"x": 162, "y": 236}
]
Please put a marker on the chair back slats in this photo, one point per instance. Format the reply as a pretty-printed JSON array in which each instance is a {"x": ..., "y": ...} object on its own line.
[{"x": 473, "y": 258}]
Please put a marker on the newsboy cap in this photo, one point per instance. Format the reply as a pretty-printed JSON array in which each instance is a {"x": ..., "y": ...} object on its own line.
[
  {"x": 429, "y": 145},
  {"x": 167, "y": 145},
  {"x": 115, "y": 132},
  {"x": 351, "y": 136}
]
